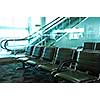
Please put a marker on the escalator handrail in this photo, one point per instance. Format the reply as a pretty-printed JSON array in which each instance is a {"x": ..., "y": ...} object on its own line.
[
  {"x": 2, "y": 42},
  {"x": 55, "y": 23},
  {"x": 6, "y": 41},
  {"x": 64, "y": 18},
  {"x": 16, "y": 39}
]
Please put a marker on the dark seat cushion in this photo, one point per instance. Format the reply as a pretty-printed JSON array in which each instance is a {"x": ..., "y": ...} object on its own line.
[{"x": 49, "y": 67}]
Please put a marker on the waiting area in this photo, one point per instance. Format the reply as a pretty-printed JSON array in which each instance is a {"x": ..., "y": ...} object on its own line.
[
  {"x": 59, "y": 50},
  {"x": 42, "y": 64}
]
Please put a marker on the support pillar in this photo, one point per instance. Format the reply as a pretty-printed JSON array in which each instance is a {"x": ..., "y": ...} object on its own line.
[{"x": 43, "y": 23}]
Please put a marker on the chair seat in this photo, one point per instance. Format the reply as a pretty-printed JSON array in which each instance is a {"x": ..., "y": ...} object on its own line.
[
  {"x": 23, "y": 59},
  {"x": 31, "y": 62},
  {"x": 37, "y": 61},
  {"x": 48, "y": 67},
  {"x": 75, "y": 76},
  {"x": 19, "y": 56}
]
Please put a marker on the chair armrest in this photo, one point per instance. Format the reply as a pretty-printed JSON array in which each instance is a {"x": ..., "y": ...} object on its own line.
[
  {"x": 71, "y": 61},
  {"x": 61, "y": 66}
]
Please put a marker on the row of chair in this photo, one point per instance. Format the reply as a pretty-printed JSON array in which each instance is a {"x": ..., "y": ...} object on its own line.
[
  {"x": 47, "y": 55},
  {"x": 50, "y": 57},
  {"x": 62, "y": 63}
]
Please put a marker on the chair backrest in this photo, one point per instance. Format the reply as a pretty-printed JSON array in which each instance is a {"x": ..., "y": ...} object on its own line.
[
  {"x": 97, "y": 46},
  {"x": 89, "y": 45},
  {"x": 49, "y": 53},
  {"x": 89, "y": 61},
  {"x": 28, "y": 50},
  {"x": 37, "y": 52},
  {"x": 64, "y": 54}
]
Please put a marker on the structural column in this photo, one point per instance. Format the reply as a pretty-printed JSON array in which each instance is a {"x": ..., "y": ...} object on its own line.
[{"x": 43, "y": 23}]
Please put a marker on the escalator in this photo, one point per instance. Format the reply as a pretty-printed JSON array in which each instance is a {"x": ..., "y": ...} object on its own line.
[
  {"x": 45, "y": 39},
  {"x": 31, "y": 39}
]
